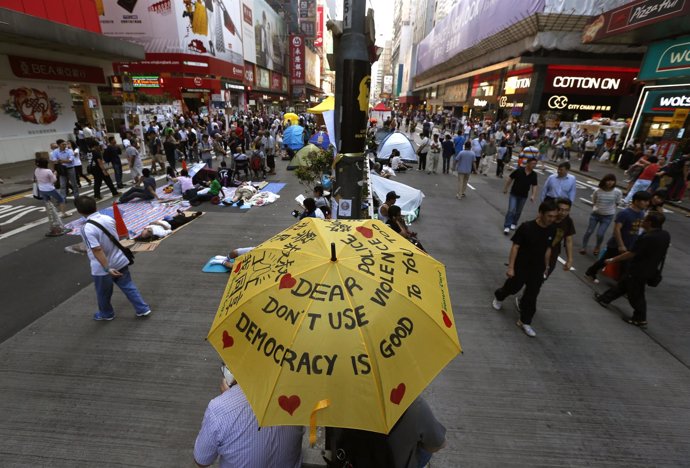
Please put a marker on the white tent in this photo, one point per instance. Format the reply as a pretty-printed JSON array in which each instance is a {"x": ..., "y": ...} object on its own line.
[
  {"x": 399, "y": 141},
  {"x": 410, "y": 198}
]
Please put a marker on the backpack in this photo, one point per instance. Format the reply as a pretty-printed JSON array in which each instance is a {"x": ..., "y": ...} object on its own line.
[{"x": 255, "y": 163}]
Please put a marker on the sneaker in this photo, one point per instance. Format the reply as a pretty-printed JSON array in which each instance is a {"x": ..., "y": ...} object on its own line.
[
  {"x": 506, "y": 231},
  {"x": 598, "y": 298},
  {"x": 593, "y": 279},
  {"x": 637, "y": 323},
  {"x": 496, "y": 304},
  {"x": 517, "y": 304},
  {"x": 100, "y": 316},
  {"x": 143, "y": 314},
  {"x": 512, "y": 227},
  {"x": 529, "y": 331}
]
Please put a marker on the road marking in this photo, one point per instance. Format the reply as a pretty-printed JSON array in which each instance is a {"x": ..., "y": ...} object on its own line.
[
  {"x": 563, "y": 263},
  {"x": 20, "y": 213},
  {"x": 26, "y": 227},
  {"x": 15, "y": 197},
  {"x": 589, "y": 202},
  {"x": 471, "y": 187}
]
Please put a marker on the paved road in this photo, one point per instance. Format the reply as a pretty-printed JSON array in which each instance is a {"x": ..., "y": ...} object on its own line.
[{"x": 589, "y": 390}]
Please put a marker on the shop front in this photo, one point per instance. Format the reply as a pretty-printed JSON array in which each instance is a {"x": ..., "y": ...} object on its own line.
[
  {"x": 513, "y": 102},
  {"x": 578, "y": 93},
  {"x": 483, "y": 97},
  {"x": 455, "y": 97}
]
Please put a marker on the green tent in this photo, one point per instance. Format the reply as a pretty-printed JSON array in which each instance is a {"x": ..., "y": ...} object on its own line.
[{"x": 300, "y": 158}]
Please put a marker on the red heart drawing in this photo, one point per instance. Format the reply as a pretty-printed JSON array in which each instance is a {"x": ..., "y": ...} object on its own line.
[
  {"x": 237, "y": 267},
  {"x": 289, "y": 404},
  {"x": 228, "y": 340},
  {"x": 398, "y": 393},
  {"x": 287, "y": 281},
  {"x": 446, "y": 320},
  {"x": 365, "y": 231}
]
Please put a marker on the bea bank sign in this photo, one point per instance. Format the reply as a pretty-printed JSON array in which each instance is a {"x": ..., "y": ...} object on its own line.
[{"x": 610, "y": 81}]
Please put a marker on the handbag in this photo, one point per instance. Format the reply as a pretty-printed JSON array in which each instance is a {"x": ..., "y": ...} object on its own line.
[
  {"x": 655, "y": 280},
  {"x": 125, "y": 250},
  {"x": 36, "y": 193}
]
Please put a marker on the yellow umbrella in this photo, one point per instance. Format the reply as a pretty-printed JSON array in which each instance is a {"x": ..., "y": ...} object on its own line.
[
  {"x": 293, "y": 118},
  {"x": 337, "y": 322},
  {"x": 325, "y": 105}
]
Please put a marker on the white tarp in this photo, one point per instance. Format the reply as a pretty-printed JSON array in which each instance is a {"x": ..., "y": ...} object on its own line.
[
  {"x": 410, "y": 198},
  {"x": 399, "y": 141}
]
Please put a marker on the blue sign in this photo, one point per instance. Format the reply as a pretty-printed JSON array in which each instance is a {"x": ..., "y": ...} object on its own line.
[{"x": 667, "y": 59}]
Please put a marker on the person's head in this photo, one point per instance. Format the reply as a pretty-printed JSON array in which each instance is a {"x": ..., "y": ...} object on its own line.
[
  {"x": 62, "y": 144},
  {"x": 391, "y": 197},
  {"x": 184, "y": 173},
  {"x": 309, "y": 204},
  {"x": 564, "y": 205},
  {"x": 111, "y": 141},
  {"x": 658, "y": 198},
  {"x": 435, "y": 136},
  {"x": 468, "y": 145},
  {"x": 394, "y": 211},
  {"x": 653, "y": 220},
  {"x": 641, "y": 200},
  {"x": 448, "y": 137},
  {"x": 42, "y": 163},
  {"x": 146, "y": 172},
  {"x": 223, "y": 164},
  {"x": 653, "y": 159},
  {"x": 548, "y": 211},
  {"x": 53, "y": 146},
  {"x": 563, "y": 169},
  {"x": 145, "y": 236},
  {"x": 395, "y": 152},
  {"x": 608, "y": 182},
  {"x": 531, "y": 163},
  {"x": 318, "y": 191},
  {"x": 85, "y": 205}
]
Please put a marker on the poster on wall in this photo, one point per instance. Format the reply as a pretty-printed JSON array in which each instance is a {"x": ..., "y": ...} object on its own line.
[
  {"x": 208, "y": 28},
  {"x": 269, "y": 34},
  {"x": 249, "y": 41},
  {"x": 35, "y": 109}
]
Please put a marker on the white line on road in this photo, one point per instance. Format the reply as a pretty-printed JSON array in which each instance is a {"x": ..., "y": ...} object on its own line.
[
  {"x": 471, "y": 187},
  {"x": 589, "y": 202},
  {"x": 563, "y": 263}
]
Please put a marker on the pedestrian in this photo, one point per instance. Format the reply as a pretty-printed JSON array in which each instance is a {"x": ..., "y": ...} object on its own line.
[
  {"x": 645, "y": 179},
  {"x": 155, "y": 149},
  {"x": 528, "y": 265},
  {"x": 626, "y": 229},
  {"x": 590, "y": 148},
  {"x": 560, "y": 185},
  {"x": 135, "y": 164},
  {"x": 422, "y": 150},
  {"x": 501, "y": 158},
  {"x": 78, "y": 169},
  {"x": 489, "y": 153},
  {"x": 604, "y": 201},
  {"x": 111, "y": 156},
  {"x": 205, "y": 148},
  {"x": 435, "y": 152},
  {"x": 230, "y": 431},
  {"x": 170, "y": 146},
  {"x": 448, "y": 152},
  {"x": 478, "y": 144},
  {"x": 65, "y": 157},
  {"x": 647, "y": 257},
  {"x": 45, "y": 180},
  {"x": 99, "y": 171},
  {"x": 109, "y": 264},
  {"x": 521, "y": 181},
  {"x": 565, "y": 230},
  {"x": 464, "y": 165}
]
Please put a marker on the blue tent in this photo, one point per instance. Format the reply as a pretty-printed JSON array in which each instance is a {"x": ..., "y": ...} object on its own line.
[
  {"x": 293, "y": 137},
  {"x": 320, "y": 139}
]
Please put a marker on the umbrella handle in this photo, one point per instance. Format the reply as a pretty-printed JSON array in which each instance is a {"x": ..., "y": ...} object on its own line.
[{"x": 333, "y": 257}]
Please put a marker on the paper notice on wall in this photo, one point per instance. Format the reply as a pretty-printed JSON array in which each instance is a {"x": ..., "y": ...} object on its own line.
[{"x": 345, "y": 207}]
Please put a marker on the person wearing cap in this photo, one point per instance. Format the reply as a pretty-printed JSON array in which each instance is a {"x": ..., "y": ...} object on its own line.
[
  {"x": 230, "y": 431},
  {"x": 391, "y": 197}
]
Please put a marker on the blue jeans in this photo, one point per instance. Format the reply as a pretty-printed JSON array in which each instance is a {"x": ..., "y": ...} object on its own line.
[
  {"x": 104, "y": 291},
  {"x": 423, "y": 457},
  {"x": 515, "y": 205},
  {"x": 603, "y": 221}
]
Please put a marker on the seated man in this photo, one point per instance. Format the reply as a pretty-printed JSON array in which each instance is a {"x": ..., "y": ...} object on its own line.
[
  {"x": 148, "y": 192},
  {"x": 310, "y": 210},
  {"x": 241, "y": 161},
  {"x": 164, "y": 227}
]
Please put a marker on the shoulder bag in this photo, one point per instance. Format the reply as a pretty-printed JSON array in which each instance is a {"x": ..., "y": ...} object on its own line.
[{"x": 125, "y": 250}]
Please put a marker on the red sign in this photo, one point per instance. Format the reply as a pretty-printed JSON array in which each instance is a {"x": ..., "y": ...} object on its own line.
[
  {"x": 249, "y": 74},
  {"x": 632, "y": 16},
  {"x": 182, "y": 63},
  {"x": 276, "y": 81},
  {"x": 35, "y": 69},
  {"x": 196, "y": 84},
  {"x": 611, "y": 81},
  {"x": 318, "y": 42},
  {"x": 297, "y": 69},
  {"x": 247, "y": 15}
]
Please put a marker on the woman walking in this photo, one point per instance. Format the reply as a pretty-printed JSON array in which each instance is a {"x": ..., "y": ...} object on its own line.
[
  {"x": 590, "y": 148},
  {"x": 604, "y": 199},
  {"x": 45, "y": 179}
]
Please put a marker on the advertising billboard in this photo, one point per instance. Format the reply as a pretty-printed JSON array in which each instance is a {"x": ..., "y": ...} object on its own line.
[
  {"x": 269, "y": 37},
  {"x": 35, "y": 109},
  {"x": 208, "y": 28}
]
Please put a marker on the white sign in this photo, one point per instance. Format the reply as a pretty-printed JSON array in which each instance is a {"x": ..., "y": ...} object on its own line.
[
  {"x": 347, "y": 9},
  {"x": 345, "y": 207},
  {"x": 561, "y": 103},
  {"x": 480, "y": 102},
  {"x": 675, "y": 101},
  {"x": 35, "y": 109},
  {"x": 513, "y": 83},
  {"x": 584, "y": 82}
]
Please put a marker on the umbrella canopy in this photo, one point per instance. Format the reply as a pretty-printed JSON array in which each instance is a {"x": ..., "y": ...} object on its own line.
[
  {"x": 325, "y": 105},
  {"x": 300, "y": 158},
  {"x": 381, "y": 107},
  {"x": 292, "y": 118},
  {"x": 339, "y": 323},
  {"x": 293, "y": 137}
]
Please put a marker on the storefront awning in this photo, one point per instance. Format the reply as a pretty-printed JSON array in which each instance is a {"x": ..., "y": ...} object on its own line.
[{"x": 31, "y": 31}]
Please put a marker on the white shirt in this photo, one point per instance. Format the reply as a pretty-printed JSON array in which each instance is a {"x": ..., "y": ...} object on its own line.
[
  {"x": 94, "y": 237},
  {"x": 45, "y": 179},
  {"x": 395, "y": 162},
  {"x": 159, "y": 231}
]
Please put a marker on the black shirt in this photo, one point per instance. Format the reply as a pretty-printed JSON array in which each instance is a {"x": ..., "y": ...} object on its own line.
[
  {"x": 565, "y": 228},
  {"x": 650, "y": 249},
  {"x": 93, "y": 164},
  {"x": 112, "y": 155},
  {"x": 533, "y": 241},
  {"x": 522, "y": 182}
]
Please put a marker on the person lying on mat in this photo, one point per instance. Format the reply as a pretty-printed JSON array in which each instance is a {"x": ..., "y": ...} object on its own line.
[
  {"x": 243, "y": 193},
  {"x": 227, "y": 260},
  {"x": 164, "y": 227}
]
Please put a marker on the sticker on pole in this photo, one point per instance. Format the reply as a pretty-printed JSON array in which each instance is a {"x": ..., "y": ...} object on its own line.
[{"x": 347, "y": 13}]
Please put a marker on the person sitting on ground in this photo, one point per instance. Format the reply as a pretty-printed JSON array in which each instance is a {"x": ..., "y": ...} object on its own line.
[
  {"x": 214, "y": 189},
  {"x": 397, "y": 223},
  {"x": 319, "y": 198},
  {"x": 148, "y": 192},
  {"x": 229, "y": 259},
  {"x": 186, "y": 184},
  {"x": 224, "y": 175},
  {"x": 164, "y": 227},
  {"x": 391, "y": 197},
  {"x": 310, "y": 210},
  {"x": 396, "y": 162}
]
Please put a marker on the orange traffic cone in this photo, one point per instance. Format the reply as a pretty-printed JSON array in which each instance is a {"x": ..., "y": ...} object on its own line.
[
  {"x": 184, "y": 165},
  {"x": 122, "y": 231}
]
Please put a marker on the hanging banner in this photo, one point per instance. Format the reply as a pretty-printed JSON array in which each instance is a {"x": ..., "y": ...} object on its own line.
[
  {"x": 207, "y": 28},
  {"x": 318, "y": 41},
  {"x": 248, "y": 36},
  {"x": 35, "y": 109},
  {"x": 297, "y": 70},
  {"x": 269, "y": 33}
]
